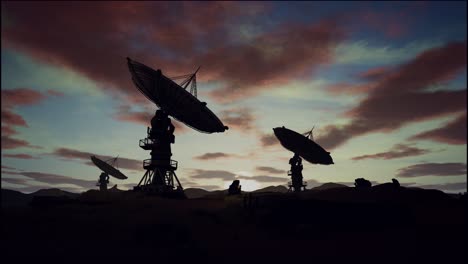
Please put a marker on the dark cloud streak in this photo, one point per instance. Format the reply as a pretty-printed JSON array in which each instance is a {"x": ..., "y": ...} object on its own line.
[
  {"x": 11, "y": 99},
  {"x": 20, "y": 156},
  {"x": 124, "y": 113},
  {"x": 432, "y": 169},
  {"x": 71, "y": 154},
  {"x": 400, "y": 97},
  {"x": 49, "y": 33},
  {"x": 214, "y": 155},
  {"x": 48, "y": 178},
  {"x": 270, "y": 170},
  {"x": 212, "y": 174},
  {"x": 453, "y": 132},
  {"x": 397, "y": 151},
  {"x": 268, "y": 140},
  {"x": 263, "y": 178},
  {"x": 455, "y": 186},
  {"x": 241, "y": 119}
]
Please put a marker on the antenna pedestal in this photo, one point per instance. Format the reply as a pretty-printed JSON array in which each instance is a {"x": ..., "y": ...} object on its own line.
[
  {"x": 296, "y": 184},
  {"x": 160, "y": 177},
  {"x": 103, "y": 181}
]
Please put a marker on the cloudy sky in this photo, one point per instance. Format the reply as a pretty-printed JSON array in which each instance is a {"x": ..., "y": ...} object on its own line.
[{"x": 384, "y": 84}]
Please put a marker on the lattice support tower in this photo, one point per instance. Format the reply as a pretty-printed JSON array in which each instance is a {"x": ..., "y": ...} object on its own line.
[{"x": 160, "y": 177}]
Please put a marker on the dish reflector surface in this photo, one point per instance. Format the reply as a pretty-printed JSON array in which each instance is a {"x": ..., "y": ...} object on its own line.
[
  {"x": 173, "y": 99},
  {"x": 105, "y": 167},
  {"x": 304, "y": 147}
]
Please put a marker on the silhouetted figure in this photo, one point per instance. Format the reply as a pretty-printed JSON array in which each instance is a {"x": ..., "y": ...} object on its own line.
[
  {"x": 103, "y": 181},
  {"x": 296, "y": 173},
  {"x": 396, "y": 183},
  {"x": 234, "y": 188},
  {"x": 362, "y": 183}
]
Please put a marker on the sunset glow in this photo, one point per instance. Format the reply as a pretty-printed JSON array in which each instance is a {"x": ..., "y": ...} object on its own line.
[{"x": 384, "y": 84}]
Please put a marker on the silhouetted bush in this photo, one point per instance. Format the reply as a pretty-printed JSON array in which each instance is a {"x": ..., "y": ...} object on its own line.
[
  {"x": 396, "y": 183},
  {"x": 234, "y": 188},
  {"x": 362, "y": 183}
]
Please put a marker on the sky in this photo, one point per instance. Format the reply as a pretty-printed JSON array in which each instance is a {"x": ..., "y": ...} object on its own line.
[{"x": 383, "y": 83}]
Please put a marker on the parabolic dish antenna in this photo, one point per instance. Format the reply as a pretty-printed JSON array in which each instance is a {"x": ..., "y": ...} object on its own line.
[
  {"x": 303, "y": 146},
  {"x": 173, "y": 99},
  {"x": 107, "y": 168}
]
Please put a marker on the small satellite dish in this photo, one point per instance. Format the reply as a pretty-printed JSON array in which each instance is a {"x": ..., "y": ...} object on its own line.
[
  {"x": 303, "y": 146},
  {"x": 174, "y": 99},
  {"x": 107, "y": 168}
]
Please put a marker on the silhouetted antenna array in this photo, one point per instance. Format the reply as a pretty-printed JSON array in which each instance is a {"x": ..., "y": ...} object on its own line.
[
  {"x": 302, "y": 145},
  {"x": 107, "y": 169},
  {"x": 173, "y": 100}
]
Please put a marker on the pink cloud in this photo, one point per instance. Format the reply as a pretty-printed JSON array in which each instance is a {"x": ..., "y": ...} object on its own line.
[
  {"x": 124, "y": 113},
  {"x": 268, "y": 140},
  {"x": 400, "y": 98},
  {"x": 433, "y": 169},
  {"x": 8, "y": 168},
  {"x": 55, "y": 93},
  {"x": 11, "y": 119},
  {"x": 72, "y": 154},
  {"x": 397, "y": 151},
  {"x": 54, "y": 179},
  {"x": 11, "y": 99},
  {"x": 453, "y": 132},
  {"x": 375, "y": 74},
  {"x": 240, "y": 118},
  {"x": 8, "y": 131},
  {"x": 288, "y": 52},
  {"x": 12, "y": 143},
  {"x": 142, "y": 118},
  {"x": 21, "y": 96},
  {"x": 264, "y": 178},
  {"x": 345, "y": 88},
  {"x": 214, "y": 155},
  {"x": 19, "y": 156},
  {"x": 97, "y": 46},
  {"x": 270, "y": 170},
  {"x": 391, "y": 24}
]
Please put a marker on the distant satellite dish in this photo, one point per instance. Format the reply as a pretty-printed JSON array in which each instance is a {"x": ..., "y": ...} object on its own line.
[
  {"x": 173, "y": 99},
  {"x": 303, "y": 146},
  {"x": 107, "y": 168}
]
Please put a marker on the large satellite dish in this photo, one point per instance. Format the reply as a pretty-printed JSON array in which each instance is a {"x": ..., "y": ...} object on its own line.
[
  {"x": 303, "y": 146},
  {"x": 173, "y": 99},
  {"x": 107, "y": 168}
]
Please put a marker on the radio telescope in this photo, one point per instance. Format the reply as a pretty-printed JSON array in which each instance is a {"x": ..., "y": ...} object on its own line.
[
  {"x": 302, "y": 145},
  {"x": 175, "y": 101},
  {"x": 107, "y": 170}
]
